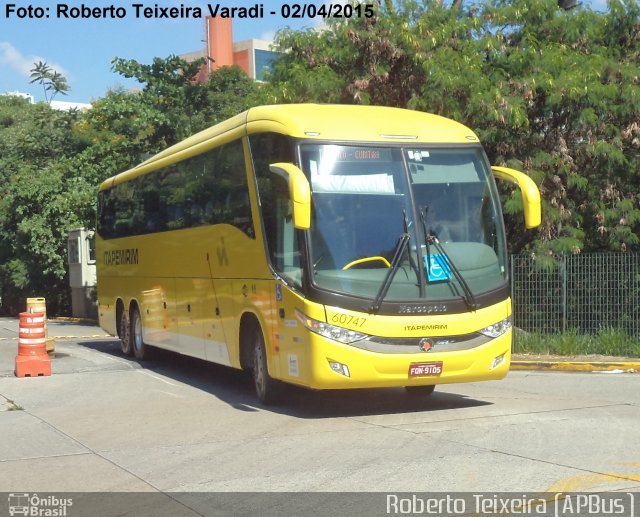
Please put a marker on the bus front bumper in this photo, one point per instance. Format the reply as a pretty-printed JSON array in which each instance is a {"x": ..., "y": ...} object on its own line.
[{"x": 338, "y": 366}]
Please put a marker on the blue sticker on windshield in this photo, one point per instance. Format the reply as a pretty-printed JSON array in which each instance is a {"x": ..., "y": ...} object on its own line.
[{"x": 437, "y": 267}]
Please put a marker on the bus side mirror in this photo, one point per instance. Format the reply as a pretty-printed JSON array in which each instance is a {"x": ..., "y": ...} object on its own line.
[
  {"x": 529, "y": 190},
  {"x": 299, "y": 191}
]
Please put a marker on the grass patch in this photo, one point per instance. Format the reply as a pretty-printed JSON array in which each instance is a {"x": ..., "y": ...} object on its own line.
[{"x": 613, "y": 342}]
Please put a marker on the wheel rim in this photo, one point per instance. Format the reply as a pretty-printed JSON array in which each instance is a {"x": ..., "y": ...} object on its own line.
[
  {"x": 137, "y": 333},
  {"x": 124, "y": 330},
  {"x": 258, "y": 368}
]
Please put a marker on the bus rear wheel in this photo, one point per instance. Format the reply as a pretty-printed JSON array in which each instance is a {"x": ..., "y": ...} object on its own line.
[
  {"x": 140, "y": 349},
  {"x": 125, "y": 334},
  {"x": 267, "y": 388},
  {"x": 420, "y": 391}
]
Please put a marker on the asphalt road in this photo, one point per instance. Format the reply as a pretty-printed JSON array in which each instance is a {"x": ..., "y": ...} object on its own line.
[{"x": 104, "y": 423}]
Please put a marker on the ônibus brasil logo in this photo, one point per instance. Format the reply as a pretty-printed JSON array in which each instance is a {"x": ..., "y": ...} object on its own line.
[{"x": 38, "y": 506}]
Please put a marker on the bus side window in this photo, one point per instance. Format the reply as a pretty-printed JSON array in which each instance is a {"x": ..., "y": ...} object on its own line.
[
  {"x": 106, "y": 213},
  {"x": 210, "y": 188},
  {"x": 231, "y": 193},
  {"x": 275, "y": 204}
]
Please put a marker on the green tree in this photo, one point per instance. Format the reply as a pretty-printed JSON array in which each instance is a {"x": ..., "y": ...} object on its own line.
[
  {"x": 57, "y": 84},
  {"x": 52, "y": 163},
  {"x": 174, "y": 105},
  {"x": 550, "y": 91},
  {"x": 35, "y": 210},
  {"x": 51, "y": 80},
  {"x": 40, "y": 73}
]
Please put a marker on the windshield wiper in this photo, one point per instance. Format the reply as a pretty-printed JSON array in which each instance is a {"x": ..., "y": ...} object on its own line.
[
  {"x": 398, "y": 253},
  {"x": 431, "y": 239}
]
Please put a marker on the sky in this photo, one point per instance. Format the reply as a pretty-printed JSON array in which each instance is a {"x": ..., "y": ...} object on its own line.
[{"x": 82, "y": 49}]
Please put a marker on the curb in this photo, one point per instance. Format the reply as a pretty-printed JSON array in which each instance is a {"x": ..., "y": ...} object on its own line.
[
  {"x": 579, "y": 366},
  {"x": 69, "y": 319}
]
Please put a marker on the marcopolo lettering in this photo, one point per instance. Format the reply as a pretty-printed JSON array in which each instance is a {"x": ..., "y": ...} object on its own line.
[
  {"x": 124, "y": 257},
  {"x": 422, "y": 309}
]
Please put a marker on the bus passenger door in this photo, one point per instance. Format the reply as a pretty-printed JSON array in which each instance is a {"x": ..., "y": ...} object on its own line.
[{"x": 236, "y": 255}]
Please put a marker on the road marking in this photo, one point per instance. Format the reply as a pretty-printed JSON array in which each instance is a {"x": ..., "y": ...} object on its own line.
[
  {"x": 583, "y": 482},
  {"x": 158, "y": 378}
]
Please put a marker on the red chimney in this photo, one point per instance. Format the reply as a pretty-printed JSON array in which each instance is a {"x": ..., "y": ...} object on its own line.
[{"x": 219, "y": 34}]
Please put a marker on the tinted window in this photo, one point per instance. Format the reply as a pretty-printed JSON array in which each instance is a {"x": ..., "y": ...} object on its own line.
[
  {"x": 275, "y": 204},
  {"x": 210, "y": 188}
]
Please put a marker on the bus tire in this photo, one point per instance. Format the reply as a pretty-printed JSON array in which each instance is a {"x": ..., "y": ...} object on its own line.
[
  {"x": 140, "y": 349},
  {"x": 420, "y": 391},
  {"x": 267, "y": 388},
  {"x": 125, "y": 334}
]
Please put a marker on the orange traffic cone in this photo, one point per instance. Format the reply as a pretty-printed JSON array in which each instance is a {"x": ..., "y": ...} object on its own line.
[{"x": 32, "y": 359}]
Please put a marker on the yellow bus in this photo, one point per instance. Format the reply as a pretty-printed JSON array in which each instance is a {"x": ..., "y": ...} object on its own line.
[{"x": 325, "y": 246}]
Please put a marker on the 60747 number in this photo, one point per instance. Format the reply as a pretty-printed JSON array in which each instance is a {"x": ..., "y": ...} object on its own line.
[{"x": 348, "y": 319}]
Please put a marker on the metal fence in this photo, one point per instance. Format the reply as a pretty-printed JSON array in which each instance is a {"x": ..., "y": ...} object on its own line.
[{"x": 587, "y": 293}]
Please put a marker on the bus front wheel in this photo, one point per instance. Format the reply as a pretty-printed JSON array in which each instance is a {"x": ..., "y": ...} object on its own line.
[
  {"x": 267, "y": 388},
  {"x": 125, "y": 334}
]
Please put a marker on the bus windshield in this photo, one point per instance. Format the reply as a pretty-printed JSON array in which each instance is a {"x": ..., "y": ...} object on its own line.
[{"x": 368, "y": 200}]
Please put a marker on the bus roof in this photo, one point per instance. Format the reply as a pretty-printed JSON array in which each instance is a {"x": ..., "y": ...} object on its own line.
[
  {"x": 333, "y": 122},
  {"x": 361, "y": 123}
]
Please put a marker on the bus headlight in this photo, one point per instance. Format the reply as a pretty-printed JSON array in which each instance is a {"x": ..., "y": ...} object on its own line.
[
  {"x": 329, "y": 331},
  {"x": 497, "y": 329}
]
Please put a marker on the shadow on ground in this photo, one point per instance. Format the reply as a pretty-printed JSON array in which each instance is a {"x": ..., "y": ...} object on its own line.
[{"x": 236, "y": 389}]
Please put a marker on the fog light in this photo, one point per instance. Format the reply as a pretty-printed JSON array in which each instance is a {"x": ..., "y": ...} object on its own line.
[
  {"x": 497, "y": 361},
  {"x": 340, "y": 368}
]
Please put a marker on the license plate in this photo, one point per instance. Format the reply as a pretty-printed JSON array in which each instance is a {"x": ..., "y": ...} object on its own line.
[{"x": 425, "y": 369}]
